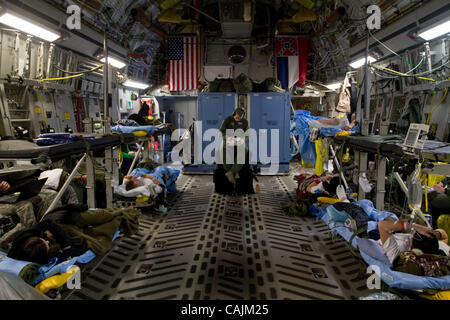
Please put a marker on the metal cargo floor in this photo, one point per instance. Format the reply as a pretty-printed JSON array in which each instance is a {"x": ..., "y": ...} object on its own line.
[{"x": 214, "y": 247}]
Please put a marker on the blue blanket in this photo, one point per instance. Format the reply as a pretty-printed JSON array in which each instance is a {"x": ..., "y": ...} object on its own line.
[
  {"x": 300, "y": 128},
  {"x": 372, "y": 253},
  {"x": 170, "y": 185},
  {"x": 51, "y": 139},
  {"x": 51, "y": 269},
  {"x": 125, "y": 129}
]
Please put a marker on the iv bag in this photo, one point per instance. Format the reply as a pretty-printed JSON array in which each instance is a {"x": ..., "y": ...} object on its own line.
[{"x": 415, "y": 189}]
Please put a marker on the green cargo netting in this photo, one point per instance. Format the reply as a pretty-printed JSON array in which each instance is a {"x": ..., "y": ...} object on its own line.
[
  {"x": 243, "y": 84},
  {"x": 212, "y": 86},
  {"x": 273, "y": 85},
  {"x": 226, "y": 85}
]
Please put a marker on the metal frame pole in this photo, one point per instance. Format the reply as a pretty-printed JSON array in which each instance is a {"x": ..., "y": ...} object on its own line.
[
  {"x": 136, "y": 156},
  {"x": 381, "y": 183},
  {"x": 336, "y": 162},
  {"x": 107, "y": 124},
  {"x": 64, "y": 188},
  {"x": 363, "y": 158}
]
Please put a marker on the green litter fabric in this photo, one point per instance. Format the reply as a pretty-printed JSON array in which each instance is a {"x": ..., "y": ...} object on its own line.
[
  {"x": 148, "y": 164},
  {"x": 299, "y": 208},
  {"x": 97, "y": 228},
  {"x": 29, "y": 273}
]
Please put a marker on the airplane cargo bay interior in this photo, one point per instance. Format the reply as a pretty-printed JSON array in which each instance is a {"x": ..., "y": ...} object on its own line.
[{"x": 250, "y": 150}]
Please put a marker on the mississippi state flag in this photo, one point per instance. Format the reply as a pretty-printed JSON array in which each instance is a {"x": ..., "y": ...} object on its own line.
[
  {"x": 183, "y": 68},
  {"x": 292, "y": 60}
]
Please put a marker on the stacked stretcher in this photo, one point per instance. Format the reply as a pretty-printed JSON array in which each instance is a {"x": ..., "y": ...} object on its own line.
[
  {"x": 11, "y": 150},
  {"x": 391, "y": 146},
  {"x": 373, "y": 254},
  {"x": 12, "y": 154}
]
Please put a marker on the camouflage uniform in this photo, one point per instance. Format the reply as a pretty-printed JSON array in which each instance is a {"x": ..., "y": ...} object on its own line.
[
  {"x": 25, "y": 211},
  {"x": 31, "y": 211}
]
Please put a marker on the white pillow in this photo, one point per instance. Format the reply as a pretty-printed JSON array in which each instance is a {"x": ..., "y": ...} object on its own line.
[{"x": 54, "y": 176}]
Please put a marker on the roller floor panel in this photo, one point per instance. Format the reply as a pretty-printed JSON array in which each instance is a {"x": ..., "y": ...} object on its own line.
[{"x": 216, "y": 247}]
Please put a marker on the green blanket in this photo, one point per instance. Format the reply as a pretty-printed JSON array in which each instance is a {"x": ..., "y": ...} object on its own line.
[{"x": 97, "y": 228}]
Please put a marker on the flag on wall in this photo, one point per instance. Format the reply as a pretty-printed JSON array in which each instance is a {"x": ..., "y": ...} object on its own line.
[
  {"x": 183, "y": 68},
  {"x": 292, "y": 60}
]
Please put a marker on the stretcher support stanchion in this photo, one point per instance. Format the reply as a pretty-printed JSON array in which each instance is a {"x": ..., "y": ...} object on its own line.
[
  {"x": 415, "y": 211},
  {"x": 336, "y": 162},
  {"x": 90, "y": 180},
  {"x": 65, "y": 186},
  {"x": 363, "y": 159},
  {"x": 381, "y": 183},
  {"x": 136, "y": 157},
  {"x": 401, "y": 183}
]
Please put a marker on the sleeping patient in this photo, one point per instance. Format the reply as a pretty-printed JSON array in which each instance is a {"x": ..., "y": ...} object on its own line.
[
  {"x": 146, "y": 180},
  {"x": 344, "y": 123}
]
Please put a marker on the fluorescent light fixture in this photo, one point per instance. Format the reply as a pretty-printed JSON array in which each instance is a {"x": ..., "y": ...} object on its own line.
[
  {"x": 114, "y": 62},
  {"x": 360, "y": 62},
  {"x": 436, "y": 31},
  {"x": 28, "y": 27},
  {"x": 334, "y": 86},
  {"x": 136, "y": 85}
]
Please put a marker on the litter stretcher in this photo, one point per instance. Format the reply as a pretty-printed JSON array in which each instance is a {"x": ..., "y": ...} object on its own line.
[{"x": 373, "y": 254}]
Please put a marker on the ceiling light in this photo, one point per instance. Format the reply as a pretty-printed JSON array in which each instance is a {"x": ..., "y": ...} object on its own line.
[
  {"x": 435, "y": 31},
  {"x": 334, "y": 86},
  {"x": 114, "y": 62},
  {"x": 136, "y": 85},
  {"x": 28, "y": 27},
  {"x": 360, "y": 62}
]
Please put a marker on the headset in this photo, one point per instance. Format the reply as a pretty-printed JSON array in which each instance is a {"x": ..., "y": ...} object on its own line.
[{"x": 239, "y": 110}]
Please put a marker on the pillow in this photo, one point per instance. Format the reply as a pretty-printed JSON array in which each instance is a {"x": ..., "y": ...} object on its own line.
[
  {"x": 336, "y": 215},
  {"x": 53, "y": 178},
  {"x": 373, "y": 249}
]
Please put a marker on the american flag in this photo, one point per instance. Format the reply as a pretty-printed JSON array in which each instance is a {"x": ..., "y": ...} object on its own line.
[{"x": 183, "y": 66}]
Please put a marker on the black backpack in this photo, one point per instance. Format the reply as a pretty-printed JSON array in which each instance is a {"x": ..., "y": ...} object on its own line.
[{"x": 357, "y": 214}]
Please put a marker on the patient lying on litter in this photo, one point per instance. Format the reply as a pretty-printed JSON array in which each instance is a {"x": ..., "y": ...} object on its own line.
[
  {"x": 146, "y": 180},
  {"x": 344, "y": 123}
]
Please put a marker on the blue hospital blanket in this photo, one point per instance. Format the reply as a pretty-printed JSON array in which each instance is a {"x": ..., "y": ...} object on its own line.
[
  {"x": 51, "y": 269},
  {"x": 51, "y": 139},
  {"x": 391, "y": 277},
  {"x": 124, "y": 129},
  {"x": 300, "y": 128},
  {"x": 169, "y": 185}
]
